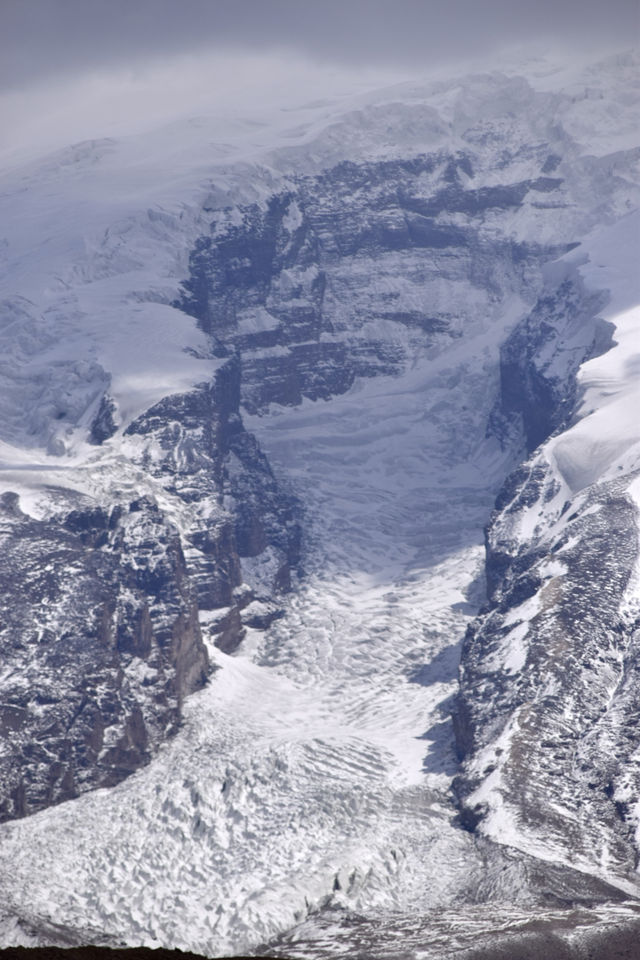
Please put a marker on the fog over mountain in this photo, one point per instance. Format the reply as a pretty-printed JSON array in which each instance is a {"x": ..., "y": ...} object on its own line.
[
  {"x": 73, "y": 69},
  {"x": 46, "y": 38}
]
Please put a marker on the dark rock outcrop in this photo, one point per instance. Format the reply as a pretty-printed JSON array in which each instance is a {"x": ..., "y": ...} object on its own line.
[
  {"x": 104, "y": 424},
  {"x": 99, "y": 653},
  {"x": 101, "y": 601},
  {"x": 548, "y": 669},
  {"x": 540, "y": 359},
  {"x": 318, "y": 286}
]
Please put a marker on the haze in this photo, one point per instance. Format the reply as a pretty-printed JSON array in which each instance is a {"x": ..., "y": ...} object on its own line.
[
  {"x": 71, "y": 69},
  {"x": 44, "y": 38}
]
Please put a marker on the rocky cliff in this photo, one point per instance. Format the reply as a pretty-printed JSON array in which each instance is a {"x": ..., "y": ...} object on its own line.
[
  {"x": 105, "y": 599},
  {"x": 359, "y": 271},
  {"x": 547, "y": 714}
]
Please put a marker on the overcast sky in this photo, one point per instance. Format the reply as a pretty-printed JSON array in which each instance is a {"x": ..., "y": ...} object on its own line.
[
  {"x": 44, "y": 39},
  {"x": 72, "y": 70}
]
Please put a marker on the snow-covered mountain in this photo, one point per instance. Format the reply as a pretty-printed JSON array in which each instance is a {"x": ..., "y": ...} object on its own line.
[{"x": 261, "y": 386}]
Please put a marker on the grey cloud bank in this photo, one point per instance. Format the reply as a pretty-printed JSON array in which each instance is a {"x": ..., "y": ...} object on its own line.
[{"x": 40, "y": 39}]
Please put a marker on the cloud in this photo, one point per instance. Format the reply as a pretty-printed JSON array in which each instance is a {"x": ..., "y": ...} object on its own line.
[
  {"x": 230, "y": 89},
  {"x": 55, "y": 38},
  {"x": 76, "y": 69}
]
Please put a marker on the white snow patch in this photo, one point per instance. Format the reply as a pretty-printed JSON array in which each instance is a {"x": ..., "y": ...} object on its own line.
[
  {"x": 606, "y": 438},
  {"x": 516, "y": 650},
  {"x": 256, "y": 320},
  {"x": 510, "y": 655},
  {"x": 525, "y": 611},
  {"x": 552, "y": 568}
]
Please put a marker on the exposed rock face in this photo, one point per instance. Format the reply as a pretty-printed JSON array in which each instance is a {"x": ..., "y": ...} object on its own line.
[
  {"x": 353, "y": 273},
  {"x": 196, "y": 446},
  {"x": 100, "y": 651},
  {"x": 101, "y": 600},
  {"x": 540, "y": 359},
  {"x": 104, "y": 425},
  {"x": 548, "y": 710}
]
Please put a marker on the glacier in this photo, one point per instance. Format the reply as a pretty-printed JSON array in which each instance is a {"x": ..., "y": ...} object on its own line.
[{"x": 409, "y": 294}]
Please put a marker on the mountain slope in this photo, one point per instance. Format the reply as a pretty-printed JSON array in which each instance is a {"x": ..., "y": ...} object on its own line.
[
  {"x": 553, "y": 746},
  {"x": 394, "y": 296}
]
